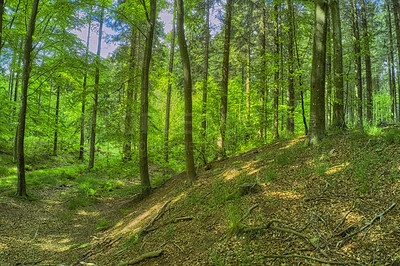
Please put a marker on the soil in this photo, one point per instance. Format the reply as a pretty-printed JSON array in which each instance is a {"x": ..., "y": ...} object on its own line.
[{"x": 316, "y": 206}]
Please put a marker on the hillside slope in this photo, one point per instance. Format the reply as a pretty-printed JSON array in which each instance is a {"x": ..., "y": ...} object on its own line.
[{"x": 332, "y": 203}]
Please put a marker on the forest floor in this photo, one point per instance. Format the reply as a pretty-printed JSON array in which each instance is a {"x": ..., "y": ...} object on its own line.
[{"x": 335, "y": 203}]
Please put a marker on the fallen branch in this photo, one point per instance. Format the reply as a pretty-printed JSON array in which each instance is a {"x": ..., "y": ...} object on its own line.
[
  {"x": 367, "y": 225},
  {"x": 248, "y": 212},
  {"x": 311, "y": 258},
  {"x": 179, "y": 219},
  {"x": 143, "y": 257},
  {"x": 343, "y": 219}
]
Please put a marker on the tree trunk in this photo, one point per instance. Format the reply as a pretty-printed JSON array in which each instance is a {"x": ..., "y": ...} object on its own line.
[
  {"x": 144, "y": 101},
  {"x": 396, "y": 10},
  {"x": 96, "y": 94},
  {"x": 367, "y": 58},
  {"x": 328, "y": 96},
  {"x": 21, "y": 185},
  {"x": 187, "y": 84},
  {"x": 169, "y": 92},
  {"x": 276, "y": 76},
  {"x": 82, "y": 138},
  {"x": 290, "y": 100},
  {"x": 205, "y": 84},
  {"x": 317, "y": 97},
  {"x": 392, "y": 75},
  {"x": 357, "y": 52},
  {"x": 2, "y": 7},
  {"x": 338, "y": 120},
  {"x": 127, "y": 151},
  {"x": 225, "y": 76},
  {"x": 56, "y": 122},
  {"x": 264, "y": 87}
]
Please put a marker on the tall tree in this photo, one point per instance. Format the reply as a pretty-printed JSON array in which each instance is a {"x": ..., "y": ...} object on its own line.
[
  {"x": 96, "y": 94},
  {"x": 187, "y": 84},
  {"x": 82, "y": 138},
  {"x": 21, "y": 185},
  {"x": 317, "y": 97},
  {"x": 144, "y": 98},
  {"x": 338, "y": 119},
  {"x": 357, "y": 52},
  {"x": 205, "y": 82},
  {"x": 169, "y": 92},
  {"x": 291, "y": 62},
  {"x": 127, "y": 150},
  {"x": 367, "y": 59},
  {"x": 391, "y": 72},
  {"x": 225, "y": 75},
  {"x": 55, "y": 142},
  {"x": 276, "y": 75},
  {"x": 396, "y": 11}
]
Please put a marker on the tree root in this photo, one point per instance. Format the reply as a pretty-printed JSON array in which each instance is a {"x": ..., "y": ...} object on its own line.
[{"x": 143, "y": 257}]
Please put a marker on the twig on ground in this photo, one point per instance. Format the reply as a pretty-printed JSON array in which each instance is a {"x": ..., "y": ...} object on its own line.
[
  {"x": 367, "y": 225},
  {"x": 311, "y": 258},
  {"x": 248, "y": 212},
  {"x": 142, "y": 257},
  {"x": 176, "y": 245},
  {"x": 344, "y": 218}
]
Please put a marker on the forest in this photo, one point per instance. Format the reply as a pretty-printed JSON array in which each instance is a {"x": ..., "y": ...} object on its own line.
[{"x": 137, "y": 131}]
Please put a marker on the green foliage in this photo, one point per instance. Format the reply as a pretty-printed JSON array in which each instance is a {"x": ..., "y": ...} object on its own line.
[
  {"x": 104, "y": 224},
  {"x": 270, "y": 175},
  {"x": 391, "y": 135}
]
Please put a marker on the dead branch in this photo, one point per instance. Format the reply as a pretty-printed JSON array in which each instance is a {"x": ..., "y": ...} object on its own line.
[
  {"x": 311, "y": 258},
  {"x": 179, "y": 219},
  {"x": 143, "y": 257},
  {"x": 343, "y": 219},
  {"x": 248, "y": 212},
  {"x": 367, "y": 225}
]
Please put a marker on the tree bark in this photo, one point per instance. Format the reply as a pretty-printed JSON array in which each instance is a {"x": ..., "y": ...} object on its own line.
[
  {"x": 338, "y": 120},
  {"x": 205, "y": 84},
  {"x": 21, "y": 185},
  {"x": 55, "y": 143},
  {"x": 276, "y": 75},
  {"x": 82, "y": 138},
  {"x": 264, "y": 86},
  {"x": 290, "y": 100},
  {"x": 144, "y": 100},
  {"x": 396, "y": 11},
  {"x": 169, "y": 92},
  {"x": 392, "y": 75},
  {"x": 96, "y": 95},
  {"x": 357, "y": 52},
  {"x": 187, "y": 84},
  {"x": 2, "y": 7},
  {"x": 367, "y": 59},
  {"x": 225, "y": 76},
  {"x": 317, "y": 97},
  {"x": 127, "y": 151}
]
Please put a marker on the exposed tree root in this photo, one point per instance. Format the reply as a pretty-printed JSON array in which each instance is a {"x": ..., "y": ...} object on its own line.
[
  {"x": 143, "y": 257},
  {"x": 311, "y": 258}
]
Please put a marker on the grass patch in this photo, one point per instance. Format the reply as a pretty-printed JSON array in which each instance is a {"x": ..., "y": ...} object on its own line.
[
  {"x": 234, "y": 215},
  {"x": 270, "y": 175}
]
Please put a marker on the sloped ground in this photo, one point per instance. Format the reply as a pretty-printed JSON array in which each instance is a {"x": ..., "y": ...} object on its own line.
[{"x": 334, "y": 203}]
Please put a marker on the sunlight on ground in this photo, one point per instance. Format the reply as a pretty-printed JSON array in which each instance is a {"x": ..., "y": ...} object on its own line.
[
  {"x": 337, "y": 168},
  {"x": 85, "y": 213},
  {"x": 292, "y": 143},
  {"x": 282, "y": 194},
  {"x": 247, "y": 169}
]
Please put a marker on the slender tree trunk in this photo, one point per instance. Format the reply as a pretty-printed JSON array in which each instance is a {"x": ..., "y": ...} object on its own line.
[
  {"x": 56, "y": 122},
  {"x": 144, "y": 101},
  {"x": 169, "y": 92},
  {"x": 396, "y": 11},
  {"x": 225, "y": 76},
  {"x": 276, "y": 76},
  {"x": 357, "y": 52},
  {"x": 338, "y": 104},
  {"x": 96, "y": 94},
  {"x": 187, "y": 84},
  {"x": 205, "y": 84},
  {"x": 264, "y": 87},
  {"x": 127, "y": 151},
  {"x": 2, "y": 7},
  {"x": 291, "y": 62},
  {"x": 392, "y": 75},
  {"x": 82, "y": 138},
  {"x": 367, "y": 58},
  {"x": 317, "y": 97},
  {"x": 21, "y": 185}
]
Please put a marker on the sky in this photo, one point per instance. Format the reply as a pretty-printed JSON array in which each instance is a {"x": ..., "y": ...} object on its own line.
[{"x": 107, "y": 48}]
